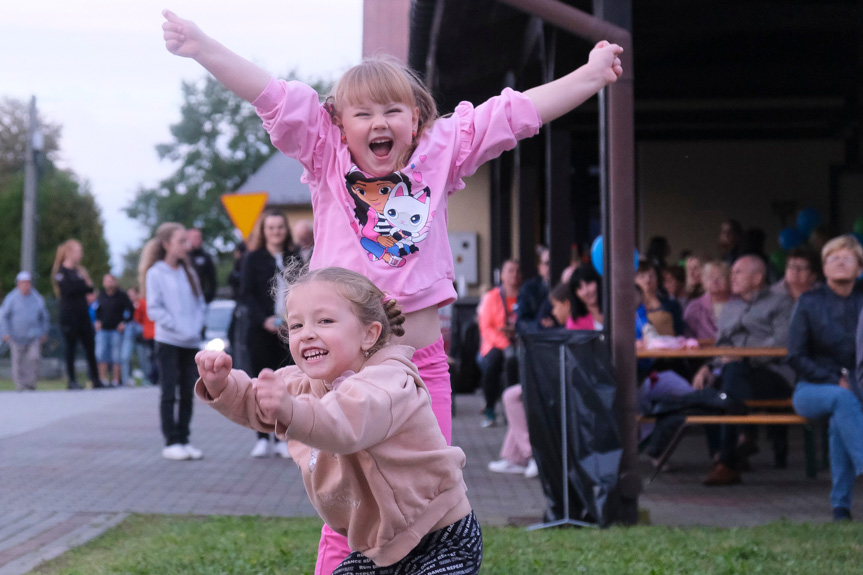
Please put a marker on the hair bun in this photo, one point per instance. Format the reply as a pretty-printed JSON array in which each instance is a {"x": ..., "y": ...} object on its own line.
[{"x": 395, "y": 316}]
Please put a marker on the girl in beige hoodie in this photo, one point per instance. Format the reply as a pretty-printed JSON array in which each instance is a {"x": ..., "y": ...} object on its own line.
[{"x": 359, "y": 424}]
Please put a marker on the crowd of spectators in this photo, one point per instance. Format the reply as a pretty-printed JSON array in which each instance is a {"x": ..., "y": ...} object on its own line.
[{"x": 741, "y": 298}]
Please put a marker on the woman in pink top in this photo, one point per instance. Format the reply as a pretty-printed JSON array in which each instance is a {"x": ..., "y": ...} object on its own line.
[
  {"x": 586, "y": 299},
  {"x": 381, "y": 167},
  {"x": 701, "y": 313}
]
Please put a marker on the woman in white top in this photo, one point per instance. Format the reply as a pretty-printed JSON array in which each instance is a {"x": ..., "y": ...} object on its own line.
[{"x": 176, "y": 305}]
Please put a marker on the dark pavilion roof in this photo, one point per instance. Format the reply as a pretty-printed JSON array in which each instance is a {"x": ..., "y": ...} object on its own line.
[{"x": 702, "y": 69}]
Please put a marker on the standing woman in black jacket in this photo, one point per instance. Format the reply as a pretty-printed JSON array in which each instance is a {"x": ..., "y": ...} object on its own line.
[
  {"x": 262, "y": 271},
  {"x": 72, "y": 283}
]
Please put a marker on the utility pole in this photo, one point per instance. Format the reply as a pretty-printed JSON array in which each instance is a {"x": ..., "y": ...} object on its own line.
[{"x": 35, "y": 144}]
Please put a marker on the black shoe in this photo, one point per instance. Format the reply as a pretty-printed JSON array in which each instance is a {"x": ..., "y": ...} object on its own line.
[
  {"x": 99, "y": 385},
  {"x": 74, "y": 385},
  {"x": 841, "y": 514}
]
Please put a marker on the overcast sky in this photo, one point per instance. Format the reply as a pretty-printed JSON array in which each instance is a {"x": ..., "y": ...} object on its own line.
[{"x": 99, "y": 68}]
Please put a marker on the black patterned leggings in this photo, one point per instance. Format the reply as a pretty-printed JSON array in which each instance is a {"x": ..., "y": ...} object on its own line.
[{"x": 454, "y": 550}]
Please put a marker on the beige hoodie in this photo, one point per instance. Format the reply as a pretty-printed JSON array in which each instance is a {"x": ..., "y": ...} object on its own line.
[{"x": 374, "y": 461}]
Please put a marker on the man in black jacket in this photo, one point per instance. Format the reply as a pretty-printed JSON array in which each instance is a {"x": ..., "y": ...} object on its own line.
[
  {"x": 534, "y": 307},
  {"x": 114, "y": 309}
]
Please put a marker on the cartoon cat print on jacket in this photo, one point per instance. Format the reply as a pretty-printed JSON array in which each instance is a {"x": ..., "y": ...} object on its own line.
[{"x": 392, "y": 218}]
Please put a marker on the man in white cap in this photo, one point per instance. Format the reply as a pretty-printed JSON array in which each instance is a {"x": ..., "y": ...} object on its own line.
[{"x": 24, "y": 326}]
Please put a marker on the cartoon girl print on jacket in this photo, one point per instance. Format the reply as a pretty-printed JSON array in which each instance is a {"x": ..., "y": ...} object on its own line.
[{"x": 392, "y": 219}]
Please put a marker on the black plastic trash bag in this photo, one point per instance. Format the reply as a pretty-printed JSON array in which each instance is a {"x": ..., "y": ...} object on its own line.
[{"x": 593, "y": 440}]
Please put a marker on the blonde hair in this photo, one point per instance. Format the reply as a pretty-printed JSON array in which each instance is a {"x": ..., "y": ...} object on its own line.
[
  {"x": 847, "y": 242},
  {"x": 382, "y": 79},
  {"x": 367, "y": 301},
  {"x": 154, "y": 251},
  {"x": 62, "y": 252}
]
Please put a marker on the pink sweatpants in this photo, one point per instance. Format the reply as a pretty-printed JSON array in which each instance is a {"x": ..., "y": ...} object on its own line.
[
  {"x": 516, "y": 443},
  {"x": 434, "y": 371}
]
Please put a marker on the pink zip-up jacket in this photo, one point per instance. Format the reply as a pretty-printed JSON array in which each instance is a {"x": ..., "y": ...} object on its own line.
[
  {"x": 421, "y": 272},
  {"x": 374, "y": 461}
]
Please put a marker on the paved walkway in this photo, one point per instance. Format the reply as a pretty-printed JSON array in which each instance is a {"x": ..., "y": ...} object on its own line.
[{"x": 73, "y": 464}]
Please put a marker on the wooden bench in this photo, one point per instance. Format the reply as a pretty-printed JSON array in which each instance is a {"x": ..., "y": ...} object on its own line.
[{"x": 762, "y": 415}]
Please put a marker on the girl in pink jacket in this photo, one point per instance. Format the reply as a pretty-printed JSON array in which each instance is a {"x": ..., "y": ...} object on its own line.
[
  {"x": 359, "y": 424},
  {"x": 381, "y": 167}
]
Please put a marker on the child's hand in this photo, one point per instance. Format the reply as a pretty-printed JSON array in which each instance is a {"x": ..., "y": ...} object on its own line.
[
  {"x": 270, "y": 391},
  {"x": 182, "y": 37},
  {"x": 214, "y": 368},
  {"x": 605, "y": 57}
]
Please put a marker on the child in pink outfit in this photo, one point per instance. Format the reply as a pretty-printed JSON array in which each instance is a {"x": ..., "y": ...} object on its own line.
[{"x": 381, "y": 166}]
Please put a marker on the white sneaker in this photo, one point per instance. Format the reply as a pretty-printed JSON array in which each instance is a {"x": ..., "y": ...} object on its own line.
[
  {"x": 261, "y": 448},
  {"x": 487, "y": 422},
  {"x": 194, "y": 452},
  {"x": 281, "y": 449},
  {"x": 506, "y": 466},
  {"x": 175, "y": 452},
  {"x": 531, "y": 470}
]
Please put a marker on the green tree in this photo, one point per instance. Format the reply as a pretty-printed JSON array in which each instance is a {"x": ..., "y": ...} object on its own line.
[
  {"x": 218, "y": 143},
  {"x": 14, "y": 125},
  {"x": 129, "y": 277},
  {"x": 66, "y": 209}
]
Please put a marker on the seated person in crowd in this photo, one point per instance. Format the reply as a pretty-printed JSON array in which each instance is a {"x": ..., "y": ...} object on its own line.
[
  {"x": 801, "y": 273},
  {"x": 664, "y": 314},
  {"x": 656, "y": 383},
  {"x": 585, "y": 296},
  {"x": 694, "y": 271},
  {"x": 674, "y": 282},
  {"x": 755, "y": 317},
  {"x": 496, "y": 315},
  {"x": 821, "y": 348},
  {"x": 701, "y": 314},
  {"x": 533, "y": 308}
]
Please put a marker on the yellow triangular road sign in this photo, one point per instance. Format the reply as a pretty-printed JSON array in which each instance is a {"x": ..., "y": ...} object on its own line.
[{"x": 244, "y": 210}]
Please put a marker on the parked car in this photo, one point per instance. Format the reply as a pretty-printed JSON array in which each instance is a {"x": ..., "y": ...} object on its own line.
[{"x": 216, "y": 325}]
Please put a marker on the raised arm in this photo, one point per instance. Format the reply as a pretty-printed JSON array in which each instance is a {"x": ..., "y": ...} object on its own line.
[
  {"x": 184, "y": 38},
  {"x": 560, "y": 96}
]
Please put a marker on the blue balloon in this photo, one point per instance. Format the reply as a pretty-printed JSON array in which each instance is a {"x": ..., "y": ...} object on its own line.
[
  {"x": 790, "y": 238},
  {"x": 596, "y": 255},
  {"x": 807, "y": 220}
]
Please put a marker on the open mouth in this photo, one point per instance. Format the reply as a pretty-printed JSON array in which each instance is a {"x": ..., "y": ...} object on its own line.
[
  {"x": 381, "y": 147},
  {"x": 314, "y": 354}
]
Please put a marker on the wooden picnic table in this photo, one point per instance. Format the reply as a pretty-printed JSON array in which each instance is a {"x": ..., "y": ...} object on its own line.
[{"x": 713, "y": 351}]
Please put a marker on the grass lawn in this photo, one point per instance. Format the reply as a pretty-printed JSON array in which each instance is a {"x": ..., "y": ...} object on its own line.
[
  {"x": 145, "y": 544},
  {"x": 41, "y": 385}
]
